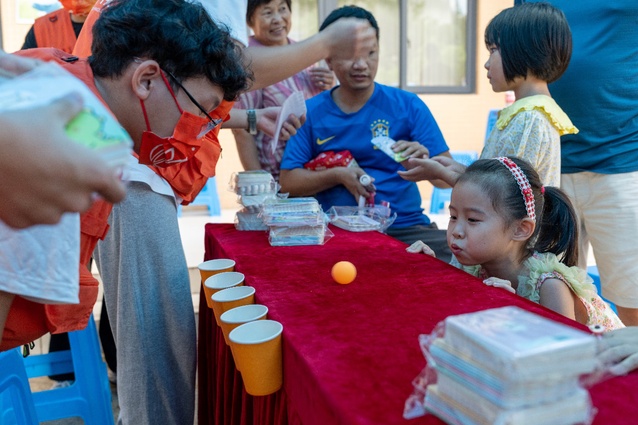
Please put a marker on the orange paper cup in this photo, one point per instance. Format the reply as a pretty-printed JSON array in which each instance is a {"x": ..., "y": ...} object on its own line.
[
  {"x": 234, "y": 317},
  {"x": 221, "y": 281},
  {"x": 257, "y": 350},
  {"x": 212, "y": 267},
  {"x": 236, "y": 296}
]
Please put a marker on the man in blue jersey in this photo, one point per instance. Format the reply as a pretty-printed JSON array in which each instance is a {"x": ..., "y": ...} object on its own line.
[
  {"x": 599, "y": 93},
  {"x": 347, "y": 118}
]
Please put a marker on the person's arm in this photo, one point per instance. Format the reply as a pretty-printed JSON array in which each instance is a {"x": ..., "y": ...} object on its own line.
[
  {"x": 344, "y": 38},
  {"x": 441, "y": 169},
  {"x": 266, "y": 121},
  {"x": 557, "y": 296},
  {"x": 62, "y": 177},
  {"x": 304, "y": 182},
  {"x": 247, "y": 150},
  {"x": 620, "y": 349}
]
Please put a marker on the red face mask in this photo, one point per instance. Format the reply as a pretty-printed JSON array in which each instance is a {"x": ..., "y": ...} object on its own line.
[{"x": 184, "y": 143}]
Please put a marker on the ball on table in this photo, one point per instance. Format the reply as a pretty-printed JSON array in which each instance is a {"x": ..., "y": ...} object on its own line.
[{"x": 344, "y": 272}]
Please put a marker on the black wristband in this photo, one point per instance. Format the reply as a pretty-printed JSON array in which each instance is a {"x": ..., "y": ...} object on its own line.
[{"x": 252, "y": 121}]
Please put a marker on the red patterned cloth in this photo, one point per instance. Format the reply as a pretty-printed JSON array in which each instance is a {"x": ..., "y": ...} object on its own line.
[{"x": 350, "y": 351}]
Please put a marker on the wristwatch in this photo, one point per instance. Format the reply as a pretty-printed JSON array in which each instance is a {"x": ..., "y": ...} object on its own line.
[{"x": 252, "y": 121}]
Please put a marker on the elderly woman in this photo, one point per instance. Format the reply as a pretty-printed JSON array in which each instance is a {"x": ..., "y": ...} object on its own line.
[{"x": 270, "y": 21}]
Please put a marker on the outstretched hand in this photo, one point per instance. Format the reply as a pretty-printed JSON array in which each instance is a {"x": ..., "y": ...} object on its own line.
[
  {"x": 420, "y": 246},
  {"x": 44, "y": 173},
  {"x": 620, "y": 349},
  {"x": 349, "y": 38},
  {"x": 437, "y": 168},
  {"x": 267, "y": 122},
  {"x": 500, "y": 283}
]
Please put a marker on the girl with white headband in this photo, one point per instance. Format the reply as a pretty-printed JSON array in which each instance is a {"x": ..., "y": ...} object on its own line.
[{"x": 513, "y": 233}]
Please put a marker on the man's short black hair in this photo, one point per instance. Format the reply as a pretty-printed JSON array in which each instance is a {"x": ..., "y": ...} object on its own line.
[
  {"x": 179, "y": 35},
  {"x": 350, "y": 12},
  {"x": 532, "y": 37},
  {"x": 254, "y": 4}
]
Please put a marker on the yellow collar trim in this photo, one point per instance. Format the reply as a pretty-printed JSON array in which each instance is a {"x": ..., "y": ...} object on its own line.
[{"x": 542, "y": 103}]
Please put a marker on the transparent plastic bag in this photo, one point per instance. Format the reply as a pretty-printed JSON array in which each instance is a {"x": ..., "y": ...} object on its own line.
[
  {"x": 94, "y": 127},
  {"x": 362, "y": 219},
  {"x": 299, "y": 235},
  {"x": 251, "y": 183},
  {"x": 292, "y": 212},
  {"x": 464, "y": 383},
  {"x": 248, "y": 219}
]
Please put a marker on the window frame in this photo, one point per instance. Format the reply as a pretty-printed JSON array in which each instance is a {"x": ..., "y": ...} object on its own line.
[{"x": 324, "y": 7}]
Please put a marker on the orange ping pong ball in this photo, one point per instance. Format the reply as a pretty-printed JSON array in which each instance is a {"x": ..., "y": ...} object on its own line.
[{"x": 344, "y": 272}]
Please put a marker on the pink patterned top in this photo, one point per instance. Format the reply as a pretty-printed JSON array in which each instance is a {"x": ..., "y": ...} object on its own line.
[{"x": 275, "y": 95}]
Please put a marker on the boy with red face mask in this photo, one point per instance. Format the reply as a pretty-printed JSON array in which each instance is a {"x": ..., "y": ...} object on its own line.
[
  {"x": 161, "y": 67},
  {"x": 60, "y": 28}
]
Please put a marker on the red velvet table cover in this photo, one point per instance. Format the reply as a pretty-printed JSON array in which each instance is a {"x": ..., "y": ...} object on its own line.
[{"x": 350, "y": 352}]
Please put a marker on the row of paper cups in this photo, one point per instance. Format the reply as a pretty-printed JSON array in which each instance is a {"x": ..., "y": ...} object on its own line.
[{"x": 254, "y": 340}]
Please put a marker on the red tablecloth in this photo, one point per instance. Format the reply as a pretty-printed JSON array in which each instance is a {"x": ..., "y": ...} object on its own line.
[{"x": 350, "y": 351}]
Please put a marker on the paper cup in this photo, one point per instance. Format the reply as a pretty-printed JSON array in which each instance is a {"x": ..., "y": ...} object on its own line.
[
  {"x": 212, "y": 267},
  {"x": 221, "y": 281},
  {"x": 236, "y": 296},
  {"x": 257, "y": 350},
  {"x": 234, "y": 317}
]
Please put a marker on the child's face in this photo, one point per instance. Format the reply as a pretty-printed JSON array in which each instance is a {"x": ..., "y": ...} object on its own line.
[
  {"x": 494, "y": 66},
  {"x": 477, "y": 234}
]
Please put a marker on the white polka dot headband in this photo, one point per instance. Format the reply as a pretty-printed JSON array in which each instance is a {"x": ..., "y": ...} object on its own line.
[{"x": 523, "y": 184}]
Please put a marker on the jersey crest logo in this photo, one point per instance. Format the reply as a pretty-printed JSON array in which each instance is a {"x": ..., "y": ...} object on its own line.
[{"x": 380, "y": 128}]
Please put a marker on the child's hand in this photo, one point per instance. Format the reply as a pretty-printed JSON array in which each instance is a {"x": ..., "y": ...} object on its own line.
[
  {"x": 419, "y": 246},
  {"x": 500, "y": 283},
  {"x": 620, "y": 348}
]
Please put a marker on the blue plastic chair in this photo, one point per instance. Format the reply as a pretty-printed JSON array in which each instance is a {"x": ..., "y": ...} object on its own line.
[
  {"x": 441, "y": 196},
  {"x": 15, "y": 394},
  {"x": 592, "y": 271},
  {"x": 492, "y": 116},
  {"x": 89, "y": 397},
  {"x": 209, "y": 197}
]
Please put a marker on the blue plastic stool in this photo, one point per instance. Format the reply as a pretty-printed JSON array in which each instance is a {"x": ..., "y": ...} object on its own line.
[
  {"x": 89, "y": 397},
  {"x": 209, "y": 197},
  {"x": 16, "y": 400},
  {"x": 441, "y": 196},
  {"x": 592, "y": 271}
]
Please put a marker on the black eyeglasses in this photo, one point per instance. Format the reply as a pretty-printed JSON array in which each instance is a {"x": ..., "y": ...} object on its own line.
[{"x": 214, "y": 122}]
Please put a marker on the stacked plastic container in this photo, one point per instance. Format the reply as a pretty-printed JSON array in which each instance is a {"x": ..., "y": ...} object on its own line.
[
  {"x": 253, "y": 189},
  {"x": 510, "y": 366},
  {"x": 295, "y": 221}
]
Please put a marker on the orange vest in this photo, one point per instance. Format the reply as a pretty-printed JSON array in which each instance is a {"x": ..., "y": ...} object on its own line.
[
  {"x": 83, "y": 45},
  {"x": 55, "y": 30},
  {"x": 28, "y": 320}
]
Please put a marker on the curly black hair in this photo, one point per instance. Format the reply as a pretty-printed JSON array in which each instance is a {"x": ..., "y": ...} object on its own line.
[{"x": 179, "y": 35}]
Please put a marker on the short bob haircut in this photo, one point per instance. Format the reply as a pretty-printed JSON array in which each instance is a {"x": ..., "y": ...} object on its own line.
[
  {"x": 179, "y": 35},
  {"x": 254, "y": 4},
  {"x": 532, "y": 37},
  {"x": 350, "y": 12}
]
